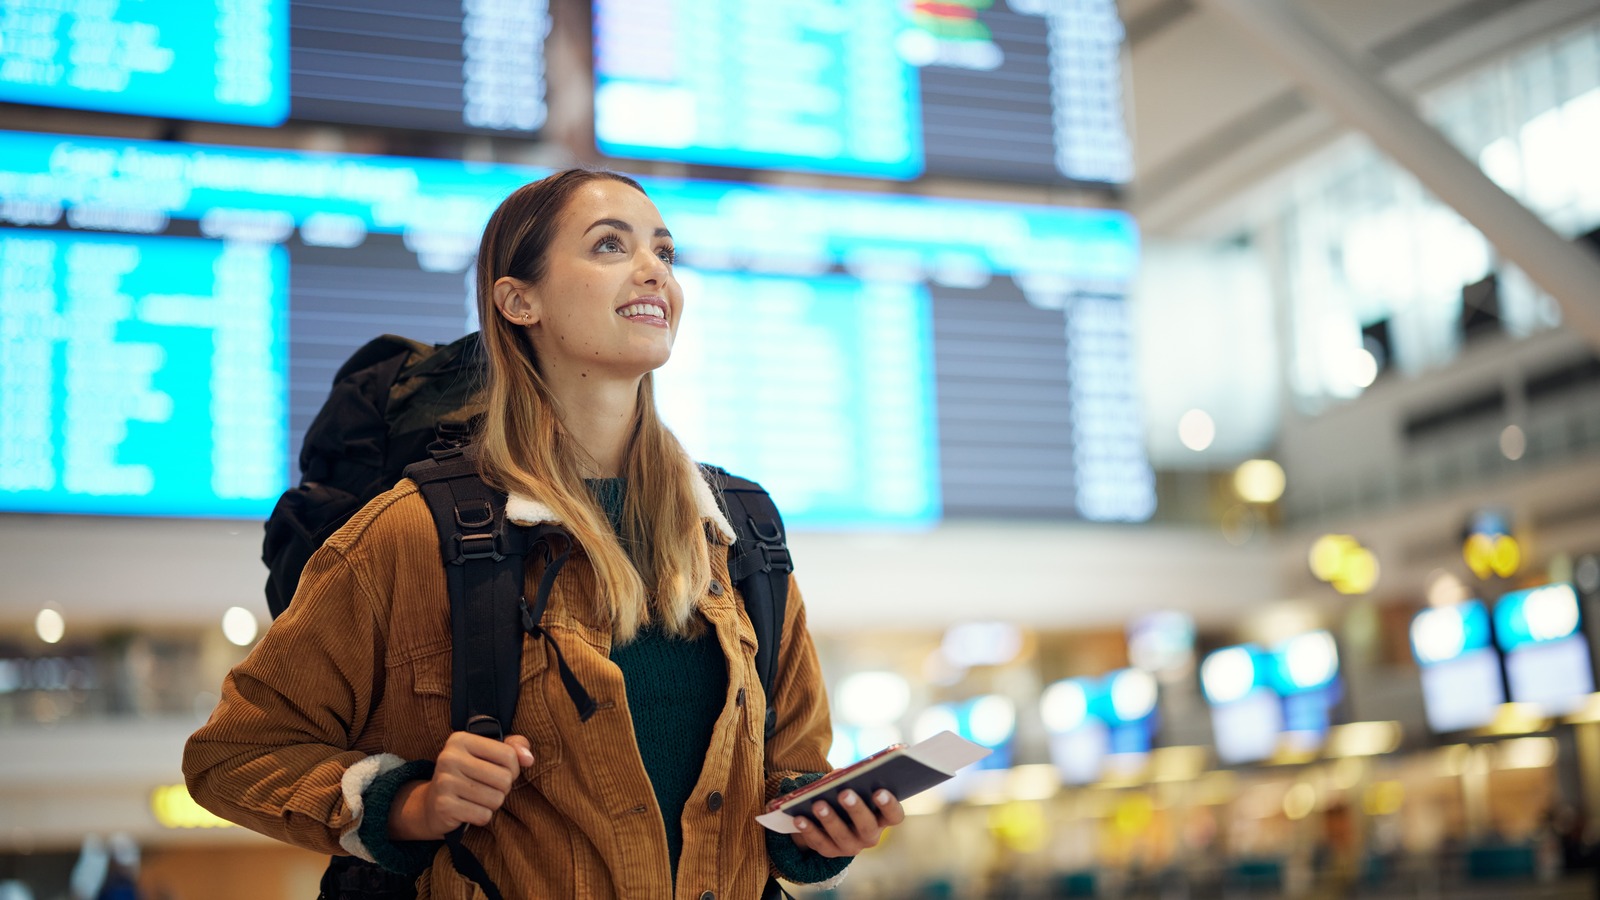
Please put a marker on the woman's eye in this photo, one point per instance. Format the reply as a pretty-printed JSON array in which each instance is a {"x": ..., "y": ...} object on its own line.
[
  {"x": 609, "y": 245},
  {"x": 668, "y": 255}
]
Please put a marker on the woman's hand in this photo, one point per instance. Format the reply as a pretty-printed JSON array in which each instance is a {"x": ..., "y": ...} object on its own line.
[
  {"x": 470, "y": 781},
  {"x": 860, "y": 828}
]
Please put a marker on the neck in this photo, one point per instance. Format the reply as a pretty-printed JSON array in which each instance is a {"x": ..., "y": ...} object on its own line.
[{"x": 597, "y": 414}]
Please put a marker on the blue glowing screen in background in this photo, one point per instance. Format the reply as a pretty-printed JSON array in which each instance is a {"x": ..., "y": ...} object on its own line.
[
  {"x": 1028, "y": 90},
  {"x": 1536, "y": 616},
  {"x": 1305, "y": 664},
  {"x": 1442, "y": 633},
  {"x": 816, "y": 86},
  {"x": 1462, "y": 683},
  {"x": 1546, "y": 652},
  {"x": 1255, "y": 693},
  {"x": 220, "y": 61},
  {"x": 813, "y": 312},
  {"x": 846, "y": 429},
  {"x": 142, "y": 375}
]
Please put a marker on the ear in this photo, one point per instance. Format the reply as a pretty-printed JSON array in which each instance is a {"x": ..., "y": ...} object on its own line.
[{"x": 517, "y": 301}]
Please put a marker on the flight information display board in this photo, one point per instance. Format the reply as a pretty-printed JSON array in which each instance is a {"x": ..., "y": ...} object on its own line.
[
  {"x": 853, "y": 360},
  {"x": 142, "y": 375},
  {"x": 467, "y": 66},
  {"x": 472, "y": 65},
  {"x": 874, "y": 360},
  {"x": 215, "y": 60},
  {"x": 1019, "y": 90}
]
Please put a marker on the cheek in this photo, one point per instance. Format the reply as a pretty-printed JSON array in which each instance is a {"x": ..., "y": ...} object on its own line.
[{"x": 675, "y": 293}]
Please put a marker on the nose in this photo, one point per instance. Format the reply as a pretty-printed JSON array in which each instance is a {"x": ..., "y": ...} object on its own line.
[{"x": 652, "y": 269}]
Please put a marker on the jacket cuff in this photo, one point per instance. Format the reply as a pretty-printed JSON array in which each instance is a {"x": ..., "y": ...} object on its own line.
[
  {"x": 374, "y": 782},
  {"x": 794, "y": 864}
]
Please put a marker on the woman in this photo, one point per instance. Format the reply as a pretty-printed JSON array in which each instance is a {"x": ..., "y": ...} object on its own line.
[{"x": 334, "y": 733}]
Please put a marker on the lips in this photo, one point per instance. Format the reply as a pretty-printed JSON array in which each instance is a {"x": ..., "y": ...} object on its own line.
[{"x": 646, "y": 308}]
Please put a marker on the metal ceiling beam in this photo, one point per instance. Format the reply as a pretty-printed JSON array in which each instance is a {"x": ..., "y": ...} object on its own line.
[{"x": 1345, "y": 82}]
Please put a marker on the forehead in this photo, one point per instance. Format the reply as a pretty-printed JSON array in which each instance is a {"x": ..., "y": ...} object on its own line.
[{"x": 607, "y": 199}]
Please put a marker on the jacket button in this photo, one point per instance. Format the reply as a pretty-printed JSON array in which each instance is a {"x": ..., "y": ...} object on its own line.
[
  {"x": 716, "y": 587},
  {"x": 714, "y": 802}
]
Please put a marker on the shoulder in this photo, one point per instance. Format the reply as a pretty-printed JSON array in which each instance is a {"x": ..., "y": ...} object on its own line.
[{"x": 397, "y": 518}]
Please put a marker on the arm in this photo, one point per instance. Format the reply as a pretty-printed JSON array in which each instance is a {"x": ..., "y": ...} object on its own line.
[{"x": 277, "y": 754}]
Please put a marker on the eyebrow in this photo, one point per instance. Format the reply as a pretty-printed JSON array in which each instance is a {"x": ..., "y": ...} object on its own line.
[{"x": 620, "y": 225}]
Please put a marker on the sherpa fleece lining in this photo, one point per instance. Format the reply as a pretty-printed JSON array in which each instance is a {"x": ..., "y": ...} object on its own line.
[
  {"x": 356, "y": 780},
  {"x": 525, "y": 510}
]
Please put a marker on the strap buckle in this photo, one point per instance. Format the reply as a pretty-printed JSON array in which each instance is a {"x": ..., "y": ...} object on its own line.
[
  {"x": 476, "y": 546},
  {"x": 774, "y": 556},
  {"x": 451, "y": 440}
]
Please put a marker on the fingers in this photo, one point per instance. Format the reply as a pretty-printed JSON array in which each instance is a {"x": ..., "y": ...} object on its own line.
[
  {"x": 484, "y": 760},
  {"x": 457, "y": 805},
  {"x": 838, "y": 830},
  {"x": 863, "y": 819},
  {"x": 472, "y": 776},
  {"x": 523, "y": 748},
  {"x": 890, "y": 812},
  {"x": 860, "y": 827},
  {"x": 815, "y": 838}
]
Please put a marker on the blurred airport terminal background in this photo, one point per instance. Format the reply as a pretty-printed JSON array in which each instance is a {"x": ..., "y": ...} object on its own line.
[{"x": 1195, "y": 401}]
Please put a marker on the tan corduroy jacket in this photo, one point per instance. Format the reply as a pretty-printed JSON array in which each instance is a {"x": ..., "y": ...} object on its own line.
[{"x": 354, "y": 679}]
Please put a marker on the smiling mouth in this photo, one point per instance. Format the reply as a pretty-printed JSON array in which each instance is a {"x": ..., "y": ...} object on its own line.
[{"x": 644, "y": 312}]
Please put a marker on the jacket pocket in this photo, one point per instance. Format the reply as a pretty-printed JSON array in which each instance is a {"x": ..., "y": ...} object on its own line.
[{"x": 432, "y": 682}]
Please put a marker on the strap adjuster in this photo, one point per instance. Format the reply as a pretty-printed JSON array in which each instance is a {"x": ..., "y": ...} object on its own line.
[
  {"x": 774, "y": 556},
  {"x": 476, "y": 546}
]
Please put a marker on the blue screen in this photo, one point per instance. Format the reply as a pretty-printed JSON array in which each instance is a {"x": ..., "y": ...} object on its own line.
[
  {"x": 1028, "y": 90},
  {"x": 1536, "y": 616},
  {"x": 874, "y": 360},
  {"x": 216, "y": 60},
  {"x": 815, "y": 85},
  {"x": 850, "y": 435},
  {"x": 142, "y": 375}
]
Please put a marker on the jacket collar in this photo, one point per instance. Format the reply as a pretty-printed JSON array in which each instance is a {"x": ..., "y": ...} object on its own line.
[{"x": 525, "y": 510}]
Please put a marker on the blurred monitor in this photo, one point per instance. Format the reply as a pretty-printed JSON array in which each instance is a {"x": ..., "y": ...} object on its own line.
[
  {"x": 1028, "y": 90},
  {"x": 1080, "y": 754},
  {"x": 1305, "y": 673},
  {"x": 876, "y": 361},
  {"x": 1461, "y": 680},
  {"x": 473, "y": 67},
  {"x": 1248, "y": 729},
  {"x": 1247, "y": 713},
  {"x": 222, "y": 61},
  {"x": 476, "y": 66},
  {"x": 1546, "y": 653}
]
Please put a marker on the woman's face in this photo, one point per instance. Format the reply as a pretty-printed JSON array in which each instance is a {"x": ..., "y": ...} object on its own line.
[{"x": 608, "y": 304}]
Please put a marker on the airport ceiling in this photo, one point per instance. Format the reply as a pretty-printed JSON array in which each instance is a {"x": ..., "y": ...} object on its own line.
[{"x": 1209, "y": 113}]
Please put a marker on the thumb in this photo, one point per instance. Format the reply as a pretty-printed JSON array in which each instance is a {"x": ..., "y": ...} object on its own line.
[{"x": 523, "y": 748}]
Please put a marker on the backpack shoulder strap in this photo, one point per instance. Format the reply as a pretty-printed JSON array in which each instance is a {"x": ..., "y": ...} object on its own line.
[
  {"x": 759, "y": 564},
  {"x": 483, "y": 556}
]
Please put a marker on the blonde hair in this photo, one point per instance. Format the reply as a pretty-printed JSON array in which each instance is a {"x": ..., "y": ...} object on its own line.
[{"x": 661, "y": 567}]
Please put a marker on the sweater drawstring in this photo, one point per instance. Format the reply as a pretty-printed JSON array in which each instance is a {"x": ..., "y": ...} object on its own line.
[{"x": 531, "y": 618}]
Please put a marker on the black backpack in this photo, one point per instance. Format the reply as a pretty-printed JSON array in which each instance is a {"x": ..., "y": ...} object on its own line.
[{"x": 400, "y": 408}]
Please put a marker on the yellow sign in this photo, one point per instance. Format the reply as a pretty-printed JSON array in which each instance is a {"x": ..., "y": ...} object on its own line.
[
  {"x": 1497, "y": 554},
  {"x": 1341, "y": 561},
  {"x": 174, "y": 808}
]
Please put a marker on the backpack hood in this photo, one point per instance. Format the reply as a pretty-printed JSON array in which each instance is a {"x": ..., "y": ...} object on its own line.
[{"x": 525, "y": 510}]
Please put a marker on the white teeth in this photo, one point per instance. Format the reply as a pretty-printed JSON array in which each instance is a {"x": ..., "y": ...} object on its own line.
[{"x": 642, "y": 309}]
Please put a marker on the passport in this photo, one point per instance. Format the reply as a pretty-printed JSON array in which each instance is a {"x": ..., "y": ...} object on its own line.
[{"x": 903, "y": 771}]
